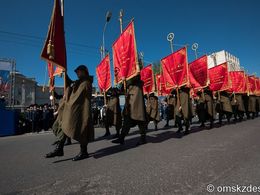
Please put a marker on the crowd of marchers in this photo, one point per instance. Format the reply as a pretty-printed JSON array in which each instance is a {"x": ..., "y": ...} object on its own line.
[{"x": 75, "y": 117}]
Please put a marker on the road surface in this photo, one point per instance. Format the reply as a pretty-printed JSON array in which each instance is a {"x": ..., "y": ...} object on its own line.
[{"x": 167, "y": 164}]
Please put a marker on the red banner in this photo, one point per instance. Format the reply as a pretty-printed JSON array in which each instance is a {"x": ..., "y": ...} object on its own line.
[
  {"x": 160, "y": 85},
  {"x": 258, "y": 86},
  {"x": 104, "y": 75},
  {"x": 198, "y": 73},
  {"x": 125, "y": 55},
  {"x": 252, "y": 84},
  {"x": 175, "y": 69},
  {"x": 54, "y": 50},
  {"x": 148, "y": 79},
  {"x": 218, "y": 77},
  {"x": 238, "y": 81}
]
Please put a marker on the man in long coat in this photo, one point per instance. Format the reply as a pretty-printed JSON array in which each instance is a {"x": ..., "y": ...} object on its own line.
[
  {"x": 201, "y": 108},
  {"x": 257, "y": 105},
  {"x": 225, "y": 107},
  {"x": 113, "y": 113},
  {"x": 183, "y": 109},
  {"x": 152, "y": 109},
  {"x": 252, "y": 106},
  {"x": 134, "y": 112},
  {"x": 76, "y": 115},
  {"x": 209, "y": 106},
  {"x": 238, "y": 106},
  {"x": 56, "y": 126},
  {"x": 170, "y": 109}
]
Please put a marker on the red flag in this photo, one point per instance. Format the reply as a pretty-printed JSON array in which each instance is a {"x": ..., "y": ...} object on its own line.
[
  {"x": 219, "y": 79},
  {"x": 238, "y": 81},
  {"x": 198, "y": 73},
  {"x": 252, "y": 84},
  {"x": 125, "y": 55},
  {"x": 160, "y": 85},
  {"x": 104, "y": 75},
  {"x": 175, "y": 69},
  {"x": 258, "y": 86},
  {"x": 54, "y": 50},
  {"x": 148, "y": 79}
]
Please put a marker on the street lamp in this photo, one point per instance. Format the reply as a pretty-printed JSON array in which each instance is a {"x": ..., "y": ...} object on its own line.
[
  {"x": 194, "y": 47},
  {"x": 103, "y": 49},
  {"x": 170, "y": 38}
]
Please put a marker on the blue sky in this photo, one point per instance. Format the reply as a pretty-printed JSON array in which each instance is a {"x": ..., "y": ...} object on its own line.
[{"x": 232, "y": 25}]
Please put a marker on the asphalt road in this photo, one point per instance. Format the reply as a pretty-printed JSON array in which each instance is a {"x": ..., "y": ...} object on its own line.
[{"x": 167, "y": 164}]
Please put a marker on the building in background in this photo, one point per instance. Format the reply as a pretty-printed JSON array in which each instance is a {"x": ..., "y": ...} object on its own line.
[
  {"x": 42, "y": 95},
  {"x": 7, "y": 66},
  {"x": 20, "y": 91},
  {"x": 223, "y": 56},
  {"x": 24, "y": 90}
]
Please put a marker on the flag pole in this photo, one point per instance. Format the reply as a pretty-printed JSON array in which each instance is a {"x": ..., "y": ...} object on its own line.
[
  {"x": 170, "y": 38},
  {"x": 121, "y": 31},
  {"x": 105, "y": 98},
  {"x": 121, "y": 20},
  {"x": 65, "y": 71}
]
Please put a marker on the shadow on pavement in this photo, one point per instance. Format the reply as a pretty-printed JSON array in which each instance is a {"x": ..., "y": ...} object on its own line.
[{"x": 131, "y": 143}]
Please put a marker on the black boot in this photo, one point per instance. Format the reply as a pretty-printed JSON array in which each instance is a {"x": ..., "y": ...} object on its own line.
[
  {"x": 57, "y": 152},
  {"x": 142, "y": 140},
  {"x": 68, "y": 142},
  {"x": 83, "y": 153},
  {"x": 187, "y": 126},
  {"x": 167, "y": 124},
  {"x": 175, "y": 125},
  {"x": 211, "y": 124},
  {"x": 155, "y": 127},
  {"x": 120, "y": 140},
  {"x": 116, "y": 136},
  {"x": 107, "y": 132},
  {"x": 202, "y": 125}
]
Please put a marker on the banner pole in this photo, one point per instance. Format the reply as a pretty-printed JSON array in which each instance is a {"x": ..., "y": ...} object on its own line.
[
  {"x": 121, "y": 20},
  {"x": 105, "y": 98},
  {"x": 203, "y": 95},
  {"x": 121, "y": 31},
  {"x": 178, "y": 97}
]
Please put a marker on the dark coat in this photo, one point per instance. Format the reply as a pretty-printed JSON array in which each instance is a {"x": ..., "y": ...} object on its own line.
[
  {"x": 171, "y": 104},
  {"x": 225, "y": 102},
  {"x": 77, "y": 119},
  {"x": 113, "y": 112},
  {"x": 185, "y": 103},
  {"x": 209, "y": 103},
  {"x": 152, "y": 108},
  {"x": 56, "y": 126},
  {"x": 252, "y": 103},
  {"x": 135, "y": 106},
  {"x": 201, "y": 108},
  {"x": 257, "y": 103},
  {"x": 240, "y": 103}
]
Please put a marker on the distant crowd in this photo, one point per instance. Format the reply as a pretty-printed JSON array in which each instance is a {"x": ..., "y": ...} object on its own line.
[{"x": 37, "y": 118}]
